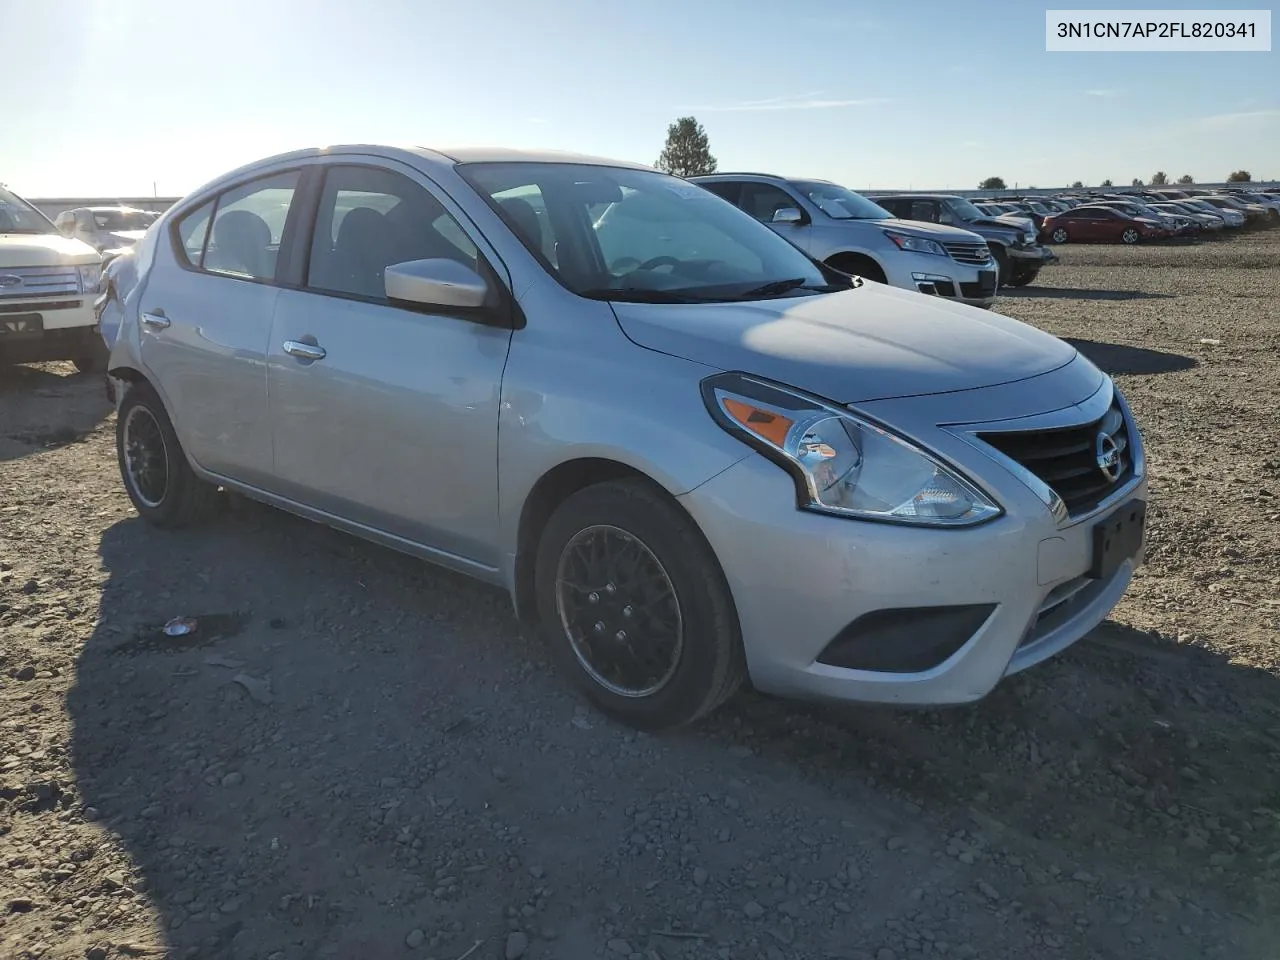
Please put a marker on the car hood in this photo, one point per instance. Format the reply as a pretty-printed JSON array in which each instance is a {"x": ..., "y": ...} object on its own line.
[
  {"x": 1008, "y": 221},
  {"x": 934, "y": 231},
  {"x": 43, "y": 250},
  {"x": 875, "y": 342}
]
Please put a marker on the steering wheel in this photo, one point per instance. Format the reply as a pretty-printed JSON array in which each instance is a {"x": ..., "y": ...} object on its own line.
[{"x": 654, "y": 262}]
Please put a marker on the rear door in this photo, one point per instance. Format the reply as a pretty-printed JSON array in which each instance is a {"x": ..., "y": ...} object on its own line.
[
  {"x": 763, "y": 201},
  {"x": 205, "y": 319}
]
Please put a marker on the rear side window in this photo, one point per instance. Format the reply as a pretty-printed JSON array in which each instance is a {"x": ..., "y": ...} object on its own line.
[
  {"x": 763, "y": 201},
  {"x": 193, "y": 229},
  {"x": 248, "y": 226},
  {"x": 370, "y": 219},
  {"x": 726, "y": 190}
]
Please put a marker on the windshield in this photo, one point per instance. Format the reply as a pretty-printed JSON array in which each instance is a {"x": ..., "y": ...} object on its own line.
[
  {"x": 612, "y": 233},
  {"x": 839, "y": 203},
  {"x": 965, "y": 209},
  {"x": 18, "y": 216},
  {"x": 121, "y": 219}
]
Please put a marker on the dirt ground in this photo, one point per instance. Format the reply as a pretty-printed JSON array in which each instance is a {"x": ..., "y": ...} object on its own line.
[{"x": 361, "y": 757}]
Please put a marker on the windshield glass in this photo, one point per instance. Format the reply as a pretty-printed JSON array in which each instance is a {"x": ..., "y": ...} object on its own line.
[
  {"x": 18, "y": 216},
  {"x": 965, "y": 209},
  {"x": 612, "y": 233},
  {"x": 841, "y": 204},
  {"x": 121, "y": 219}
]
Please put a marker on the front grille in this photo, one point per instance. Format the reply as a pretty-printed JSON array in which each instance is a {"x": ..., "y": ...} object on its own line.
[
  {"x": 972, "y": 253},
  {"x": 42, "y": 306},
  {"x": 38, "y": 281},
  {"x": 1067, "y": 459}
]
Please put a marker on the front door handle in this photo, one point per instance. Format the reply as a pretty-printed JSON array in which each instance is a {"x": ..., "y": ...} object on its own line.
[
  {"x": 304, "y": 351},
  {"x": 155, "y": 320}
]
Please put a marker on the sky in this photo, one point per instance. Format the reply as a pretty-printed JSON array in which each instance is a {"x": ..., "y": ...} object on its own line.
[{"x": 131, "y": 97}]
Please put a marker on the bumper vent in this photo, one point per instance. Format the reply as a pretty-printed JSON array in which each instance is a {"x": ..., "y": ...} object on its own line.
[{"x": 1081, "y": 464}]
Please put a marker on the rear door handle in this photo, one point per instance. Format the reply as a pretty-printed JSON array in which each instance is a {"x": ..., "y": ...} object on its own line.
[
  {"x": 155, "y": 320},
  {"x": 304, "y": 351}
]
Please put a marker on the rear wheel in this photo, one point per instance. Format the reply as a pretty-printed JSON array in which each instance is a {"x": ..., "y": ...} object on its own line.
[
  {"x": 1130, "y": 236},
  {"x": 634, "y": 606},
  {"x": 157, "y": 477},
  {"x": 858, "y": 266}
]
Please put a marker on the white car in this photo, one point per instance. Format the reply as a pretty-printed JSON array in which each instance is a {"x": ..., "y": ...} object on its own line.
[
  {"x": 48, "y": 284},
  {"x": 689, "y": 452}
]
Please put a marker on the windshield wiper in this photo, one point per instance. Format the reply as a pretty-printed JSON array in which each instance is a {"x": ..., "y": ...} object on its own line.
[
  {"x": 641, "y": 295},
  {"x": 776, "y": 287}
]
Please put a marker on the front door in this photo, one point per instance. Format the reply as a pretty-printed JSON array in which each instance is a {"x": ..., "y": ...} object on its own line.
[
  {"x": 764, "y": 200},
  {"x": 381, "y": 415},
  {"x": 205, "y": 323}
]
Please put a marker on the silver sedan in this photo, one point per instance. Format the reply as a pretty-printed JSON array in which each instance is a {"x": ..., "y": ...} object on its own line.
[{"x": 689, "y": 452}]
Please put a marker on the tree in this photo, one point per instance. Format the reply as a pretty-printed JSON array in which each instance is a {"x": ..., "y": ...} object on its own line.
[
  {"x": 1159, "y": 178},
  {"x": 686, "y": 153},
  {"x": 1106, "y": 183},
  {"x": 1186, "y": 178},
  {"x": 1239, "y": 176},
  {"x": 992, "y": 183},
  {"x": 1136, "y": 182},
  {"x": 1078, "y": 185}
]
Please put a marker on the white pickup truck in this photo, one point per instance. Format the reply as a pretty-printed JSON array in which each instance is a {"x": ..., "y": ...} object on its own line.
[{"x": 48, "y": 284}]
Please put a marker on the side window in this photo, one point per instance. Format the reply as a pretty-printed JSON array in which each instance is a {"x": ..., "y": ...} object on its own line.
[
  {"x": 925, "y": 210},
  {"x": 728, "y": 190},
  {"x": 763, "y": 200},
  {"x": 525, "y": 210},
  {"x": 945, "y": 215},
  {"x": 370, "y": 219},
  {"x": 248, "y": 225},
  {"x": 193, "y": 229}
]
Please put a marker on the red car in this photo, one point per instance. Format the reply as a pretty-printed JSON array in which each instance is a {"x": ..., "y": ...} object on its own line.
[{"x": 1099, "y": 224}]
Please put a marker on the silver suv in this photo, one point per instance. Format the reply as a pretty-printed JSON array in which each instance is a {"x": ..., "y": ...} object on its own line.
[
  {"x": 687, "y": 451},
  {"x": 851, "y": 233}
]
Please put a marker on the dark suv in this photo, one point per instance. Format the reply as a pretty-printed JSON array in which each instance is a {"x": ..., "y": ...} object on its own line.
[{"x": 1015, "y": 248}]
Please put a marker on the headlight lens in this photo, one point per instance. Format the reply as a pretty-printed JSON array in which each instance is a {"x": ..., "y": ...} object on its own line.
[
  {"x": 915, "y": 244},
  {"x": 843, "y": 464},
  {"x": 90, "y": 277}
]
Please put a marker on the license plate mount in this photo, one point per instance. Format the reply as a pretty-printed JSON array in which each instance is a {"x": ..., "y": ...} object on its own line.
[
  {"x": 1118, "y": 538},
  {"x": 14, "y": 326}
]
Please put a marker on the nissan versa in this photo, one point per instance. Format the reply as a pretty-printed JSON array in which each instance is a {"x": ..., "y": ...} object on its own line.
[{"x": 689, "y": 452}]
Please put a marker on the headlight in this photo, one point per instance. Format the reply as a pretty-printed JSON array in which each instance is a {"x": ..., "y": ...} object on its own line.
[
  {"x": 90, "y": 277},
  {"x": 1026, "y": 239},
  {"x": 843, "y": 464},
  {"x": 915, "y": 244}
]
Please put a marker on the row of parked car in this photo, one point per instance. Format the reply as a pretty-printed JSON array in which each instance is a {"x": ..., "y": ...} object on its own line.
[{"x": 1135, "y": 216}]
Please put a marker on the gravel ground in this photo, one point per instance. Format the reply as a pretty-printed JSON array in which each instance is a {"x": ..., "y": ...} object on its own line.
[{"x": 361, "y": 757}]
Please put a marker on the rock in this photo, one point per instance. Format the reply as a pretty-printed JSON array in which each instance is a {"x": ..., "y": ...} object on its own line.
[
  {"x": 26, "y": 673},
  {"x": 500, "y": 774},
  {"x": 753, "y": 910},
  {"x": 415, "y": 939},
  {"x": 988, "y": 891},
  {"x": 96, "y": 953},
  {"x": 537, "y": 872},
  {"x": 21, "y": 905},
  {"x": 699, "y": 876},
  {"x": 30, "y": 587},
  {"x": 895, "y": 843},
  {"x": 517, "y": 944},
  {"x": 231, "y": 906},
  {"x": 620, "y": 947},
  {"x": 233, "y": 779}
]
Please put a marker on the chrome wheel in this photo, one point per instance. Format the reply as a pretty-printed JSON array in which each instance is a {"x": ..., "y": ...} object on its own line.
[
  {"x": 1060, "y": 236},
  {"x": 146, "y": 457},
  {"x": 1129, "y": 236},
  {"x": 619, "y": 610}
]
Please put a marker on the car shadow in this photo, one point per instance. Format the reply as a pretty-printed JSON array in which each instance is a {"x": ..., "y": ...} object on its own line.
[
  {"x": 46, "y": 406},
  {"x": 1123, "y": 358},
  {"x": 1078, "y": 293},
  {"x": 353, "y": 749}
]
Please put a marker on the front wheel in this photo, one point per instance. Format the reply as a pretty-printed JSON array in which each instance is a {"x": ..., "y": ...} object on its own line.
[
  {"x": 1023, "y": 276},
  {"x": 1130, "y": 236},
  {"x": 634, "y": 606},
  {"x": 1002, "y": 265},
  {"x": 1060, "y": 235},
  {"x": 157, "y": 477}
]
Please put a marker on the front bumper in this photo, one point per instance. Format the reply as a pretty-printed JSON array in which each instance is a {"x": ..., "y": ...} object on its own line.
[
  {"x": 1036, "y": 254},
  {"x": 48, "y": 328},
  {"x": 801, "y": 581},
  {"x": 974, "y": 284}
]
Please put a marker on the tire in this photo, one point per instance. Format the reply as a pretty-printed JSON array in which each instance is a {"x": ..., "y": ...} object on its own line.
[
  {"x": 1060, "y": 235},
  {"x": 707, "y": 663},
  {"x": 1002, "y": 264},
  {"x": 95, "y": 361},
  {"x": 1022, "y": 276},
  {"x": 1130, "y": 237},
  {"x": 858, "y": 266},
  {"x": 146, "y": 441}
]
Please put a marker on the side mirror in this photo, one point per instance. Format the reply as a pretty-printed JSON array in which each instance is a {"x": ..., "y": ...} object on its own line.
[
  {"x": 435, "y": 283},
  {"x": 787, "y": 215}
]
